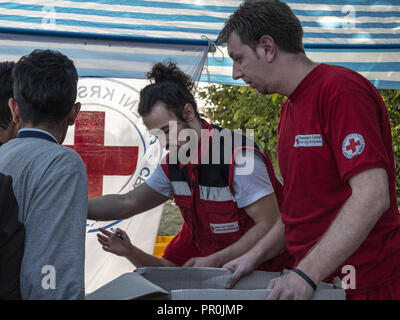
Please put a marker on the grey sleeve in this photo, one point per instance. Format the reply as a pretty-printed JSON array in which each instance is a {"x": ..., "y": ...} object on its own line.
[
  {"x": 251, "y": 181},
  {"x": 159, "y": 182},
  {"x": 54, "y": 256}
]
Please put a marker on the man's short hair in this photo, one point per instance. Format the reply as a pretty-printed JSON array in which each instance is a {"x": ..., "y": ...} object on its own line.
[
  {"x": 256, "y": 18},
  {"x": 6, "y": 92},
  {"x": 45, "y": 86}
]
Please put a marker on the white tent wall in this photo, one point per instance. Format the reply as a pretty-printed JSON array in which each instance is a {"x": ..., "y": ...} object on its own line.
[
  {"x": 131, "y": 157},
  {"x": 106, "y": 56}
]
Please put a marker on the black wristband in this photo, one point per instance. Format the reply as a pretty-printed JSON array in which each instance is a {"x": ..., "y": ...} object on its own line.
[{"x": 306, "y": 278}]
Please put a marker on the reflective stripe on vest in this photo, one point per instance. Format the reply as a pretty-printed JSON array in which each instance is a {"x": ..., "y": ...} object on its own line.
[{"x": 181, "y": 188}]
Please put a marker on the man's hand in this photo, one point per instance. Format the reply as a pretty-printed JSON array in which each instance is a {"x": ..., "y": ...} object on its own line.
[
  {"x": 290, "y": 287},
  {"x": 240, "y": 267},
  {"x": 209, "y": 261},
  {"x": 117, "y": 243}
]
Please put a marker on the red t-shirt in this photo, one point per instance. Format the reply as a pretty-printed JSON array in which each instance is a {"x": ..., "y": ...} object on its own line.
[{"x": 333, "y": 126}]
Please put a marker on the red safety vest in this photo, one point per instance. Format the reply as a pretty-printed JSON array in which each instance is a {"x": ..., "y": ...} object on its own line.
[{"x": 204, "y": 193}]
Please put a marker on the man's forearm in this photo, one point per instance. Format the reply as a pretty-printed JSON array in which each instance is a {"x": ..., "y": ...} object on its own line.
[
  {"x": 243, "y": 245},
  {"x": 109, "y": 207},
  {"x": 352, "y": 225},
  {"x": 262, "y": 246},
  {"x": 272, "y": 244},
  {"x": 141, "y": 259},
  {"x": 123, "y": 206}
]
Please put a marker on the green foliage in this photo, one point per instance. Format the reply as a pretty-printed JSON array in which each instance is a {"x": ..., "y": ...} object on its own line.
[
  {"x": 171, "y": 220},
  {"x": 236, "y": 107},
  {"x": 392, "y": 100}
]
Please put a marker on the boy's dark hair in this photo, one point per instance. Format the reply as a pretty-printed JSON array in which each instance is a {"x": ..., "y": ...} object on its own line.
[
  {"x": 171, "y": 86},
  {"x": 256, "y": 18},
  {"x": 6, "y": 92},
  {"x": 45, "y": 86}
]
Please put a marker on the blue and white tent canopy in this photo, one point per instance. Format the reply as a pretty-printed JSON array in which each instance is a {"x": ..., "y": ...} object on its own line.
[{"x": 122, "y": 38}]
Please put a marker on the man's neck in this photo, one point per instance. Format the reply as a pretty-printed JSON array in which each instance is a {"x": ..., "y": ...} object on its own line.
[
  {"x": 197, "y": 125},
  {"x": 294, "y": 68}
]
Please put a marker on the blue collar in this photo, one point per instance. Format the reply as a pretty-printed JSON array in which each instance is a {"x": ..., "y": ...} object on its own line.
[{"x": 26, "y": 133}]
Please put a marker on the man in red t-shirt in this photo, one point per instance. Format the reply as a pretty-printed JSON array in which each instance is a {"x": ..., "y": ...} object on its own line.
[{"x": 340, "y": 216}]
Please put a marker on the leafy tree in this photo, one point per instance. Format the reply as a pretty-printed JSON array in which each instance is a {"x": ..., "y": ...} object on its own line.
[
  {"x": 239, "y": 107},
  {"x": 392, "y": 100}
]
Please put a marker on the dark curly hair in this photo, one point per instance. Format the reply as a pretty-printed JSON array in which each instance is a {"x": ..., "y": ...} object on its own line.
[{"x": 169, "y": 85}]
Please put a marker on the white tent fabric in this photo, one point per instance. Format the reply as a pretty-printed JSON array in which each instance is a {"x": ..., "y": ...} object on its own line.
[
  {"x": 362, "y": 35},
  {"x": 109, "y": 111},
  {"x": 97, "y": 57}
]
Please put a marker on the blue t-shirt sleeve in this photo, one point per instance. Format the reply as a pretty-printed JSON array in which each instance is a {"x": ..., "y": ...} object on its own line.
[{"x": 159, "y": 182}]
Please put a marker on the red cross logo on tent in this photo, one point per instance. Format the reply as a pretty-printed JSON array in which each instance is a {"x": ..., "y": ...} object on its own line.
[
  {"x": 100, "y": 160},
  {"x": 353, "y": 145}
]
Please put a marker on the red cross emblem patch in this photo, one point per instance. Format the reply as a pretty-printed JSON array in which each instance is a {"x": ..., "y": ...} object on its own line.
[{"x": 353, "y": 145}]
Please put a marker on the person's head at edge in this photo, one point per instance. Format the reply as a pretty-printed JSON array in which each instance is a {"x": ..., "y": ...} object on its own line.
[
  {"x": 45, "y": 90},
  {"x": 264, "y": 39},
  {"x": 169, "y": 98},
  {"x": 8, "y": 129}
]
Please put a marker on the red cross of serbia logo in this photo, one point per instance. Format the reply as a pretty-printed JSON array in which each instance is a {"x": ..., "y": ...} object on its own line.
[{"x": 353, "y": 145}]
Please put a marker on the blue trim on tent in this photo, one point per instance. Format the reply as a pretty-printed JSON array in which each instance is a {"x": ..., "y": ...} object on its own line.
[
  {"x": 357, "y": 25},
  {"x": 358, "y": 66},
  {"x": 377, "y": 48},
  {"x": 221, "y": 79},
  {"x": 110, "y": 37},
  {"x": 335, "y": 2},
  {"x": 200, "y": 31},
  {"x": 117, "y": 14},
  {"x": 355, "y": 35},
  {"x": 380, "y": 84},
  {"x": 164, "y": 5},
  {"x": 85, "y": 53},
  {"x": 370, "y": 66},
  {"x": 110, "y": 73},
  {"x": 333, "y": 13},
  {"x": 203, "y": 18},
  {"x": 109, "y": 25},
  {"x": 336, "y": 46},
  {"x": 142, "y": 39},
  {"x": 175, "y": 5}
]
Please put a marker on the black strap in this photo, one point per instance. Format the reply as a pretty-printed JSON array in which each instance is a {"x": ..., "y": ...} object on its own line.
[
  {"x": 35, "y": 134},
  {"x": 306, "y": 278}
]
